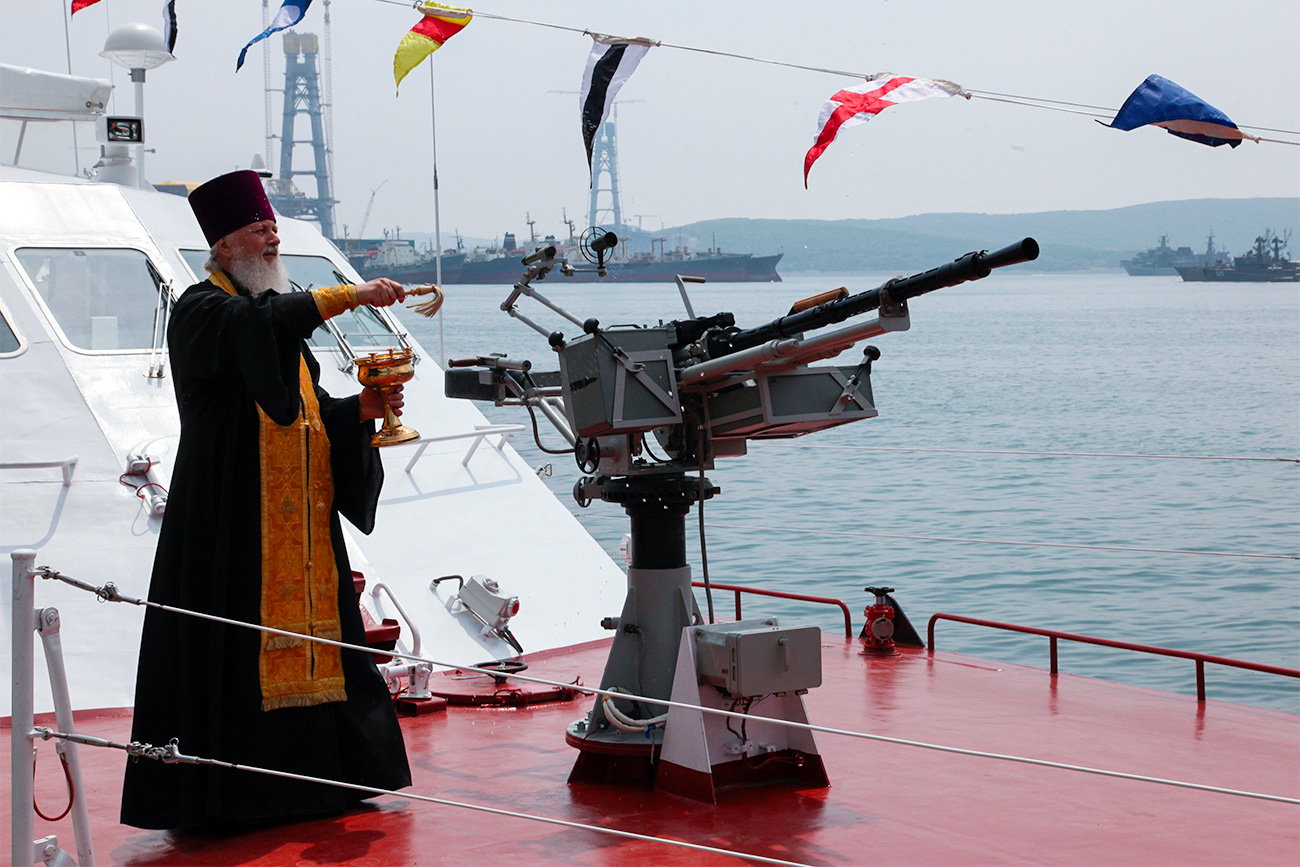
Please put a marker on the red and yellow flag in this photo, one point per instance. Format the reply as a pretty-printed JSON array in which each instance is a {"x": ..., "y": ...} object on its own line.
[{"x": 439, "y": 24}]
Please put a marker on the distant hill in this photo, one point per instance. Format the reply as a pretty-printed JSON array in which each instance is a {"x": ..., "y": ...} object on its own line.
[{"x": 1070, "y": 240}]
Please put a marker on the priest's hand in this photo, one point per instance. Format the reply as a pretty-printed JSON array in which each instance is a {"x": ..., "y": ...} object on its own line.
[
  {"x": 372, "y": 402},
  {"x": 380, "y": 292}
]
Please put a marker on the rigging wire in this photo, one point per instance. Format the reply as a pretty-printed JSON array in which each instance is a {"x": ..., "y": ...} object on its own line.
[
  {"x": 172, "y": 755},
  {"x": 109, "y": 593},
  {"x": 1027, "y": 101}
]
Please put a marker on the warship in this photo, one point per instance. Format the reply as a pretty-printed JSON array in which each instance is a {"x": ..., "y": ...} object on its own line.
[{"x": 1266, "y": 262}]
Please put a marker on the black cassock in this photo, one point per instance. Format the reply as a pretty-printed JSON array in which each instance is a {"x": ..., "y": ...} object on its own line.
[{"x": 198, "y": 681}]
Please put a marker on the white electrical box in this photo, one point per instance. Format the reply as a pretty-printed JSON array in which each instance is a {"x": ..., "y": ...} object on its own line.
[
  {"x": 751, "y": 658},
  {"x": 482, "y": 596}
]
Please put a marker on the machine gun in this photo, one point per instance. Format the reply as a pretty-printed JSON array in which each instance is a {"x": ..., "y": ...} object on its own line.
[
  {"x": 643, "y": 407},
  {"x": 701, "y": 386}
]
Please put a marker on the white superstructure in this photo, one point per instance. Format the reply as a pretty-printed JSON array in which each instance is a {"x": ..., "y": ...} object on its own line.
[{"x": 81, "y": 266}]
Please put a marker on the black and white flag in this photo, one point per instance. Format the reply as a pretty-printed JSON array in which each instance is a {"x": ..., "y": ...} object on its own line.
[
  {"x": 611, "y": 62},
  {"x": 169, "y": 25}
]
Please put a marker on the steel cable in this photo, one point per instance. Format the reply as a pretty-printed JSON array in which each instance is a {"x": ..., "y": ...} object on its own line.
[{"x": 109, "y": 593}]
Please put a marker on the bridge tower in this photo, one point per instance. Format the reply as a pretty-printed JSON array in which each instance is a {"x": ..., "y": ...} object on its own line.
[
  {"x": 302, "y": 95},
  {"x": 604, "y": 179}
]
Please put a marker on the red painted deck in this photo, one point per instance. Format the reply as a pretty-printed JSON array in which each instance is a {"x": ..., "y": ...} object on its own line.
[{"x": 886, "y": 804}]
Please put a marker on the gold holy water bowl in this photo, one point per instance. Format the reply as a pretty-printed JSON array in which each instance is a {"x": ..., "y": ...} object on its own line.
[{"x": 385, "y": 371}]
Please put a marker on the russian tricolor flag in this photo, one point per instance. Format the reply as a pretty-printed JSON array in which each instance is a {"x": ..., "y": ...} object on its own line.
[{"x": 1160, "y": 102}]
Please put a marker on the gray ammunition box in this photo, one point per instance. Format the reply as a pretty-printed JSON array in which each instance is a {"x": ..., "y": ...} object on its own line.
[
  {"x": 609, "y": 392},
  {"x": 750, "y": 658},
  {"x": 791, "y": 402}
]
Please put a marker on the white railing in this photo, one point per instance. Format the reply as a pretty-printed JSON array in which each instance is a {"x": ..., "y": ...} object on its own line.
[
  {"x": 68, "y": 465},
  {"x": 26, "y": 619},
  {"x": 480, "y": 433}
]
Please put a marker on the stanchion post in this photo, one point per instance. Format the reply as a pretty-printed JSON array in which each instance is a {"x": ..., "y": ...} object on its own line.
[
  {"x": 48, "y": 623},
  {"x": 22, "y": 823}
]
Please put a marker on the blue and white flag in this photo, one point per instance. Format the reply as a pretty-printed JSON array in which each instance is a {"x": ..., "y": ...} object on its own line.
[
  {"x": 1161, "y": 102},
  {"x": 611, "y": 62},
  {"x": 290, "y": 14}
]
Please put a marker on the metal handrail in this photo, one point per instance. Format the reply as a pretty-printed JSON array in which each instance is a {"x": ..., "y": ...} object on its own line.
[
  {"x": 479, "y": 433},
  {"x": 781, "y": 594},
  {"x": 1054, "y": 634},
  {"x": 381, "y": 587},
  {"x": 67, "y": 465}
]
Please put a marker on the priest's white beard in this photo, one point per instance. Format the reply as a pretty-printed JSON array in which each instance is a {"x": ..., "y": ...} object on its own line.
[{"x": 257, "y": 274}]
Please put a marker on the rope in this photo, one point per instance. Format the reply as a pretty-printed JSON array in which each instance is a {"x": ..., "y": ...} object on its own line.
[
  {"x": 1027, "y": 101},
  {"x": 141, "y": 488},
  {"x": 171, "y": 754},
  {"x": 110, "y": 593},
  {"x": 862, "y": 535}
]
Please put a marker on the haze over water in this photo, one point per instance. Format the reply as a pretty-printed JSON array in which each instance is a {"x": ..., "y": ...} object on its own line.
[{"x": 1091, "y": 364}]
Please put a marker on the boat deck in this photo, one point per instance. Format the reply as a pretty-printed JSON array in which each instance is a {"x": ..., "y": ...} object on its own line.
[{"x": 887, "y": 802}]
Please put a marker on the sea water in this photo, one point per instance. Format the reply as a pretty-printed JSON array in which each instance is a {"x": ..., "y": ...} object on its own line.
[{"x": 1154, "y": 528}]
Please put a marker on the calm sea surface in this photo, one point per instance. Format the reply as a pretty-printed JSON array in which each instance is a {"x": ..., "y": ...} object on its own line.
[{"x": 1195, "y": 554}]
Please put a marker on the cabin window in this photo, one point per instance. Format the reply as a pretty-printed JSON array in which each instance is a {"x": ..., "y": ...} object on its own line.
[
  {"x": 364, "y": 331},
  {"x": 101, "y": 299},
  {"x": 10, "y": 344}
]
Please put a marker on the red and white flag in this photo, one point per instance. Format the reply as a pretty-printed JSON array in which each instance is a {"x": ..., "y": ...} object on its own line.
[{"x": 859, "y": 104}]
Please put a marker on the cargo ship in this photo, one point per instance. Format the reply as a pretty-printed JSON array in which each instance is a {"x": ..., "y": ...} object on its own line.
[
  {"x": 399, "y": 259},
  {"x": 500, "y": 264}
]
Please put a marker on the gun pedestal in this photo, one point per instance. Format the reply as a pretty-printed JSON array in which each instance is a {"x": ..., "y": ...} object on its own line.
[
  {"x": 699, "y": 380},
  {"x": 618, "y": 744}
]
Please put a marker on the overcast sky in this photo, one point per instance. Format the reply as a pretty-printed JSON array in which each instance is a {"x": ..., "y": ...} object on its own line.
[{"x": 704, "y": 136}]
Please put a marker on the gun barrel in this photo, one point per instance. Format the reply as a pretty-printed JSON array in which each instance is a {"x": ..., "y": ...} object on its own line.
[{"x": 972, "y": 266}]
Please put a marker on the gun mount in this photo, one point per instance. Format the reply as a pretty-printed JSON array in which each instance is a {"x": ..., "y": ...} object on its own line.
[
  {"x": 701, "y": 386},
  {"x": 644, "y": 409}
]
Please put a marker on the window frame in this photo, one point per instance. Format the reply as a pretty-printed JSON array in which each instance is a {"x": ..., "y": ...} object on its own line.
[
  {"x": 17, "y": 332},
  {"x": 163, "y": 285}
]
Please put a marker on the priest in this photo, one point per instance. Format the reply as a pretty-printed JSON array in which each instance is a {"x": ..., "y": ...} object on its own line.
[{"x": 266, "y": 465}]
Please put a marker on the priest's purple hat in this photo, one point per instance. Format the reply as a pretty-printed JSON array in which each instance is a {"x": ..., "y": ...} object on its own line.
[{"x": 230, "y": 202}]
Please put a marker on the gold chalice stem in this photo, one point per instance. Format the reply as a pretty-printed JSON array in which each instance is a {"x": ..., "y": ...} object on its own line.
[
  {"x": 393, "y": 432},
  {"x": 391, "y": 422}
]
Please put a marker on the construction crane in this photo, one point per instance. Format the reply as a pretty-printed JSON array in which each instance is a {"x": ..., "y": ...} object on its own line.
[{"x": 365, "y": 218}]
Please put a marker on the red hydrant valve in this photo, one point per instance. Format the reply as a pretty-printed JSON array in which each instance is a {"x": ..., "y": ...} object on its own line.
[{"x": 879, "y": 634}]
